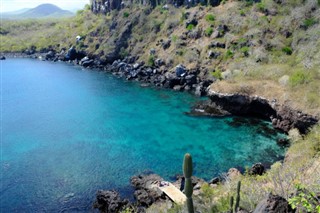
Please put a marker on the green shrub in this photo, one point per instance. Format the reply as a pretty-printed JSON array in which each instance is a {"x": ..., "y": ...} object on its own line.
[
  {"x": 299, "y": 77},
  {"x": 249, "y": 3},
  {"x": 208, "y": 32},
  {"x": 261, "y": 6},
  {"x": 210, "y": 18},
  {"x": 245, "y": 51},
  {"x": 304, "y": 200},
  {"x": 287, "y": 50},
  {"x": 183, "y": 16},
  {"x": 123, "y": 52},
  {"x": 229, "y": 54},
  {"x": 174, "y": 38},
  {"x": 309, "y": 22},
  {"x": 217, "y": 74},
  {"x": 150, "y": 61},
  {"x": 190, "y": 27},
  {"x": 242, "y": 13},
  {"x": 126, "y": 15}
]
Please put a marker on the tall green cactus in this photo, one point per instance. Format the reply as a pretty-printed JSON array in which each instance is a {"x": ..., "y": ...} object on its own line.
[
  {"x": 231, "y": 204},
  {"x": 236, "y": 207},
  {"x": 188, "y": 188}
]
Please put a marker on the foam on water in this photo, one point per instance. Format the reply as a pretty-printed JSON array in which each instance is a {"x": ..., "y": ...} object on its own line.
[{"x": 67, "y": 132}]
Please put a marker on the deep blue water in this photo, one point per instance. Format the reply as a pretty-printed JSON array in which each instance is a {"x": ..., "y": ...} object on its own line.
[{"x": 67, "y": 132}]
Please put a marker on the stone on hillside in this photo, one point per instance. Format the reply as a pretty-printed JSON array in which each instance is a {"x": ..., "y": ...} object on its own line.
[
  {"x": 166, "y": 44},
  {"x": 217, "y": 44},
  {"x": 213, "y": 55},
  {"x": 273, "y": 204},
  {"x": 180, "y": 70},
  {"x": 159, "y": 62},
  {"x": 152, "y": 51},
  {"x": 194, "y": 22}
]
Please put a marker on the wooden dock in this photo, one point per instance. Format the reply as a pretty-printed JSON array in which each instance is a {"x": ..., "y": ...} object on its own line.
[{"x": 172, "y": 192}]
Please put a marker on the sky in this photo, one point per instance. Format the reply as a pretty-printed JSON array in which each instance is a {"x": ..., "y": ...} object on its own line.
[{"x": 13, "y": 5}]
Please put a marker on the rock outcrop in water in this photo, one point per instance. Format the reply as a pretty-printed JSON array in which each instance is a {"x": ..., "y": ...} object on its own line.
[
  {"x": 281, "y": 116},
  {"x": 109, "y": 201}
]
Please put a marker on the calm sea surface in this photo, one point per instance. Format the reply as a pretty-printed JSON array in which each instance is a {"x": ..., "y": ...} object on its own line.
[{"x": 67, "y": 132}]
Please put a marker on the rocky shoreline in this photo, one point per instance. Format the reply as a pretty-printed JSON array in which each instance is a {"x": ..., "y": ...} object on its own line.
[
  {"x": 147, "y": 195},
  {"x": 282, "y": 117}
]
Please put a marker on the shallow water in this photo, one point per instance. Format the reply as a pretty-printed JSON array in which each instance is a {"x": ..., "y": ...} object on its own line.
[{"x": 67, "y": 132}]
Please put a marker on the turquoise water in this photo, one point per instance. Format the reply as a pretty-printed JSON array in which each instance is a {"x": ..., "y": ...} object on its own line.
[{"x": 67, "y": 132}]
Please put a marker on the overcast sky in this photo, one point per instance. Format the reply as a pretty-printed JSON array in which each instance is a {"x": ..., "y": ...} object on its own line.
[{"x": 13, "y": 5}]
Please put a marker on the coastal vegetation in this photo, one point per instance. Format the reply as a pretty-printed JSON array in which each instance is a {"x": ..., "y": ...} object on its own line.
[{"x": 269, "y": 48}]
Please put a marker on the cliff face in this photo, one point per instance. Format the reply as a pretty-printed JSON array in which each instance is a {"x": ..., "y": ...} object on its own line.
[
  {"x": 281, "y": 116},
  {"x": 104, "y": 6}
]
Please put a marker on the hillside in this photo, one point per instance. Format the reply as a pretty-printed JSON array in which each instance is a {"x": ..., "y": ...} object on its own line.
[
  {"x": 274, "y": 42},
  {"x": 41, "y": 11},
  {"x": 269, "y": 49}
]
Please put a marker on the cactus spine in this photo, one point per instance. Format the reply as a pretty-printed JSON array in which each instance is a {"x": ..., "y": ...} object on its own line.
[
  {"x": 188, "y": 188},
  {"x": 236, "y": 207}
]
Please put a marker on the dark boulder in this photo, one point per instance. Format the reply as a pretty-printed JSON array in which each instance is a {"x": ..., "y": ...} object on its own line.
[
  {"x": 166, "y": 44},
  {"x": 86, "y": 61},
  {"x": 2, "y": 58},
  {"x": 159, "y": 62},
  {"x": 213, "y": 55},
  {"x": 207, "y": 108},
  {"x": 257, "y": 169},
  {"x": 193, "y": 22},
  {"x": 214, "y": 180},
  {"x": 145, "y": 192},
  {"x": 109, "y": 202},
  {"x": 191, "y": 79},
  {"x": 284, "y": 142},
  {"x": 180, "y": 70},
  {"x": 273, "y": 204},
  {"x": 217, "y": 44},
  {"x": 49, "y": 55},
  {"x": 71, "y": 54}
]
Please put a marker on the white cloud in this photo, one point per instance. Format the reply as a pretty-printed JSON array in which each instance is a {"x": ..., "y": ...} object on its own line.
[{"x": 13, "y": 5}]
